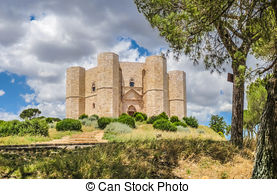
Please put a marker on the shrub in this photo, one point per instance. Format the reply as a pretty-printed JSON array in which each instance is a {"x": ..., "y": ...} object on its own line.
[
  {"x": 103, "y": 122},
  {"x": 86, "y": 122},
  {"x": 164, "y": 125},
  {"x": 117, "y": 128},
  {"x": 139, "y": 117},
  {"x": 69, "y": 125},
  {"x": 163, "y": 115},
  {"x": 179, "y": 123},
  {"x": 33, "y": 127},
  {"x": 52, "y": 120},
  {"x": 143, "y": 114},
  {"x": 8, "y": 128},
  {"x": 152, "y": 119},
  {"x": 191, "y": 121},
  {"x": 93, "y": 117},
  {"x": 183, "y": 129},
  {"x": 174, "y": 119},
  {"x": 123, "y": 114},
  {"x": 83, "y": 116},
  {"x": 128, "y": 120}
]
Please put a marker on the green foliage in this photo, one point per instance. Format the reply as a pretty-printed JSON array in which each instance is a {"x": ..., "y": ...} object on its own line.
[
  {"x": 143, "y": 114},
  {"x": 29, "y": 127},
  {"x": 52, "y": 119},
  {"x": 128, "y": 120},
  {"x": 180, "y": 123},
  {"x": 117, "y": 128},
  {"x": 191, "y": 121},
  {"x": 218, "y": 124},
  {"x": 139, "y": 117},
  {"x": 174, "y": 119},
  {"x": 163, "y": 115},
  {"x": 8, "y": 128},
  {"x": 94, "y": 116},
  {"x": 103, "y": 122},
  {"x": 33, "y": 127},
  {"x": 256, "y": 95},
  {"x": 69, "y": 125},
  {"x": 30, "y": 113},
  {"x": 152, "y": 119},
  {"x": 164, "y": 125},
  {"x": 83, "y": 116}
]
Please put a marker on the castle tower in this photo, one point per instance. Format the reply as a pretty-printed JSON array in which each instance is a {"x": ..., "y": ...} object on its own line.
[
  {"x": 108, "y": 85},
  {"x": 75, "y": 92},
  {"x": 155, "y": 83},
  {"x": 177, "y": 93}
]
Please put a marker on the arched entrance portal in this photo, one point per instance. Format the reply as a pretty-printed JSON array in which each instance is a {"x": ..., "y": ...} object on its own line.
[{"x": 131, "y": 110}]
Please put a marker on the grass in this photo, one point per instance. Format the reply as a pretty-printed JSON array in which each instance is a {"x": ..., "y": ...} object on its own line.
[
  {"x": 165, "y": 158},
  {"x": 53, "y": 134},
  {"x": 147, "y": 132}
]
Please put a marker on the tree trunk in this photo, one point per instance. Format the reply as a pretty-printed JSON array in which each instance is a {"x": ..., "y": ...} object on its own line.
[
  {"x": 237, "y": 107},
  {"x": 266, "y": 157}
]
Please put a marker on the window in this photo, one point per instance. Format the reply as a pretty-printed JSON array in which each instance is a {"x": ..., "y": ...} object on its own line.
[
  {"x": 132, "y": 82},
  {"x": 93, "y": 88},
  {"x": 93, "y": 105}
]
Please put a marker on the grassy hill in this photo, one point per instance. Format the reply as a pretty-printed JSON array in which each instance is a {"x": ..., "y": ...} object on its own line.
[{"x": 143, "y": 153}]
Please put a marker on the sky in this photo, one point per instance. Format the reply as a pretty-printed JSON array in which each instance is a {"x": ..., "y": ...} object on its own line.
[{"x": 39, "y": 39}]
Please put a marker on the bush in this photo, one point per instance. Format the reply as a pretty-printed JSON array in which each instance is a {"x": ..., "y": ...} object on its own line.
[
  {"x": 103, "y": 122},
  {"x": 163, "y": 115},
  {"x": 164, "y": 125},
  {"x": 93, "y": 117},
  {"x": 69, "y": 125},
  {"x": 143, "y": 114},
  {"x": 83, "y": 116},
  {"x": 152, "y": 119},
  {"x": 128, "y": 120},
  {"x": 117, "y": 128},
  {"x": 86, "y": 122},
  {"x": 179, "y": 123},
  {"x": 191, "y": 121},
  {"x": 183, "y": 129},
  {"x": 33, "y": 127},
  {"x": 8, "y": 128},
  {"x": 174, "y": 119},
  {"x": 139, "y": 117},
  {"x": 52, "y": 120}
]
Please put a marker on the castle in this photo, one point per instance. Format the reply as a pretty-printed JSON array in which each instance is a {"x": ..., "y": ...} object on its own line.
[{"x": 115, "y": 87}]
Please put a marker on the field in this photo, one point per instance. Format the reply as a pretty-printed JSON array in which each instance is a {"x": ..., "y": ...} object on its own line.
[{"x": 143, "y": 153}]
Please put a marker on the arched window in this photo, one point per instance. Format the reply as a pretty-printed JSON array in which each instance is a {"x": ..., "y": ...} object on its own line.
[
  {"x": 93, "y": 87},
  {"x": 93, "y": 105},
  {"x": 132, "y": 82}
]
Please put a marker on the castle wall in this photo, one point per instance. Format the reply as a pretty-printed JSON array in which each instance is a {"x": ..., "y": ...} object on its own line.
[
  {"x": 177, "y": 93},
  {"x": 75, "y": 92},
  {"x": 155, "y": 86},
  {"x": 108, "y": 85},
  {"x": 91, "y": 105}
]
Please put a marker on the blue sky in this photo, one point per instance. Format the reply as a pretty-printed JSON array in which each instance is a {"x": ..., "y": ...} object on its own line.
[
  {"x": 40, "y": 39},
  {"x": 13, "y": 86}
]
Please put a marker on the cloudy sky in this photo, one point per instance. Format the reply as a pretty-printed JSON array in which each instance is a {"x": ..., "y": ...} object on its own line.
[{"x": 39, "y": 39}]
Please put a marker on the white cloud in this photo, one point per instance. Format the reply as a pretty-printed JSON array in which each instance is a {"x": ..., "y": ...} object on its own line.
[
  {"x": 6, "y": 116},
  {"x": 12, "y": 80},
  {"x": 69, "y": 32},
  {"x": 2, "y": 92}
]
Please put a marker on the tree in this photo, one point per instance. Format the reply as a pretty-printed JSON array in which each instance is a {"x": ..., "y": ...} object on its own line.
[
  {"x": 219, "y": 32},
  {"x": 266, "y": 154},
  {"x": 256, "y": 95},
  {"x": 218, "y": 124},
  {"x": 30, "y": 113}
]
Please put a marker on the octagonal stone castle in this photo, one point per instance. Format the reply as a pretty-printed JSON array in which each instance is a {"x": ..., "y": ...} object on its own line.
[{"x": 115, "y": 87}]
